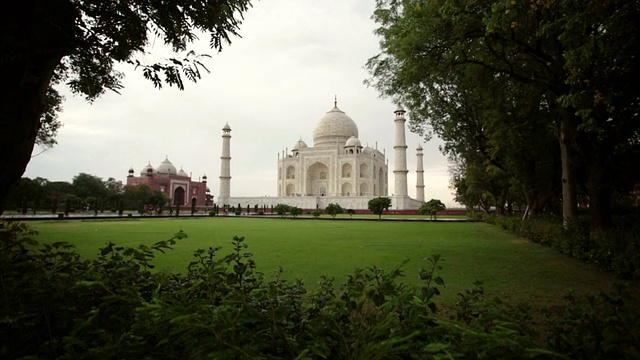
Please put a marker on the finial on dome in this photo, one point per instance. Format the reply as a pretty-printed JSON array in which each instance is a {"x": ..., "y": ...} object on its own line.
[{"x": 335, "y": 100}]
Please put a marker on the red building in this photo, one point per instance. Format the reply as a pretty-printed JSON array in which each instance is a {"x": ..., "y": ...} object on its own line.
[{"x": 177, "y": 185}]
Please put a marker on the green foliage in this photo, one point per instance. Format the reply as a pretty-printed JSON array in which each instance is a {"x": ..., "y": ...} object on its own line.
[
  {"x": 597, "y": 326},
  {"x": 281, "y": 209},
  {"x": 42, "y": 194},
  {"x": 333, "y": 210},
  {"x": 379, "y": 205},
  {"x": 295, "y": 211},
  {"x": 530, "y": 98},
  {"x": 615, "y": 250},
  {"x": 432, "y": 207},
  {"x": 80, "y": 44},
  {"x": 316, "y": 213},
  {"x": 351, "y": 212},
  {"x": 56, "y": 305}
]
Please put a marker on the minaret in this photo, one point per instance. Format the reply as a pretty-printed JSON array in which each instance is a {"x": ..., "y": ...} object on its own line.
[
  {"x": 419, "y": 175},
  {"x": 225, "y": 167},
  {"x": 400, "y": 171}
]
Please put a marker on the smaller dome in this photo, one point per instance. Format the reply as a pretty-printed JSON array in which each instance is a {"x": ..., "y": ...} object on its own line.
[
  {"x": 226, "y": 127},
  {"x": 131, "y": 170},
  {"x": 182, "y": 173},
  {"x": 146, "y": 169},
  {"x": 367, "y": 150},
  {"x": 353, "y": 141},
  {"x": 166, "y": 167},
  {"x": 400, "y": 109},
  {"x": 419, "y": 148},
  {"x": 299, "y": 145}
]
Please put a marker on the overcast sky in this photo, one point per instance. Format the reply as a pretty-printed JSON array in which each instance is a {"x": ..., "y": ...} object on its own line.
[{"x": 272, "y": 86}]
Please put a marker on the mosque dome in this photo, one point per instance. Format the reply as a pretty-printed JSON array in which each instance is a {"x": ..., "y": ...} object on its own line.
[
  {"x": 299, "y": 145},
  {"x": 166, "y": 167},
  {"x": 335, "y": 127},
  {"x": 145, "y": 170},
  {"x": 183, "y": 173},
  {"x": 353, "y": 141}
]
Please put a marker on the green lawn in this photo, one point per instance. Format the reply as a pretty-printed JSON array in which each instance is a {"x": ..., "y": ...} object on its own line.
[{"x": 306, "y": 249}]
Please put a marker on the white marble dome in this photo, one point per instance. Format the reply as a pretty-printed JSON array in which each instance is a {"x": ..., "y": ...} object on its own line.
[
  {"x": 145, "y": 170},
  {"x": 166, "y": 167},
  {"x": 353, "y": 141},
  {"x": 299, "y": 145},
  {"x": 183, "y": 173},
  {"x": 334, "y": 128}
]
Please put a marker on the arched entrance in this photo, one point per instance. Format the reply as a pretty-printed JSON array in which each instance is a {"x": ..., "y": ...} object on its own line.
[
  {"x": 178, "y": 196},
  {"x": 347, "y": 189},
  {"x": 317, "y": 179},
  {"x": 364, "y": 189}
]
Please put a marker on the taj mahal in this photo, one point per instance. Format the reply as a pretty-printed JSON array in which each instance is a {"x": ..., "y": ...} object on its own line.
[{"x": 336, "y": 169}]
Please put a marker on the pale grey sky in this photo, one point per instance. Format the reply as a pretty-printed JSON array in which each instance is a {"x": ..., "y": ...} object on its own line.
[{"x": 272, "y": 86}]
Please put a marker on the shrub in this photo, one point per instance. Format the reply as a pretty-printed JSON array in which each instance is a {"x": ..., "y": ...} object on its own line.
[
  {"x": 56, "y": 305},
  {"x": 281, "y": 209},
  {"x": 333, "y": 210},
  {"x": 295, "y": 211},
  {"x": 615, "y": 250},
  {"x": 316, "y": 213}
]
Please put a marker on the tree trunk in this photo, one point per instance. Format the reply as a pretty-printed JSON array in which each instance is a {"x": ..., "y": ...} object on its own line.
[
  {"x": 35, "y": 35},
  {"x": 569, "y": 187},
  {"x": 599, "y": 192},
  {"x": 26, "y": 82}
]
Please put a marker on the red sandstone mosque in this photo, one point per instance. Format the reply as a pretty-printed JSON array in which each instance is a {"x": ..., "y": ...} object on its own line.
[{"x": 177, "y": 185}]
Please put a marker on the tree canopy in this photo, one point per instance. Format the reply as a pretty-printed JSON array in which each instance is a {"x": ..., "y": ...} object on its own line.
[
  {"x": 42, "y": 194},
  {"x": 281, "y": 209},
  {"x": 432, "y": 207},
  {"x": 334, "y": 209},
  {"x": 77, "y": 43},
  {"x": 532, "y": 99},
  {"x": 379, "y": 205}
]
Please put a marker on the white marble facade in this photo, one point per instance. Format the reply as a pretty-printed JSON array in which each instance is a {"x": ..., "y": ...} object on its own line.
[
  {"x": 336, "y": 169},
  {"x": 336, "y": 166}
]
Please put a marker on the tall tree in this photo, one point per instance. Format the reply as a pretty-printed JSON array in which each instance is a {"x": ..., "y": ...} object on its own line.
[
  {"x": 575, "y": 57},
  {"x": 86, "y": 185},
  {"x": 78, "y": 42}
]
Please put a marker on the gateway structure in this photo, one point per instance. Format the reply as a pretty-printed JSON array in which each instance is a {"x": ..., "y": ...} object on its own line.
[{"x": 336, "y": 169}]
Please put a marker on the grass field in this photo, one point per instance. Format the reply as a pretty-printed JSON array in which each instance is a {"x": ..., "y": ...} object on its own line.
[{"x": 306, "y": 249}]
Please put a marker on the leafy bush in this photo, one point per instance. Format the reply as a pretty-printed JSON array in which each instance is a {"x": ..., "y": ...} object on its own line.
[
  {"x": 333, "y": 210},
  {"x": 281, "y": 209},
  {"x": 56, "y": 305},
  {"x": 295, "y": 211},
  {"x": 616, "y": 250}
]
